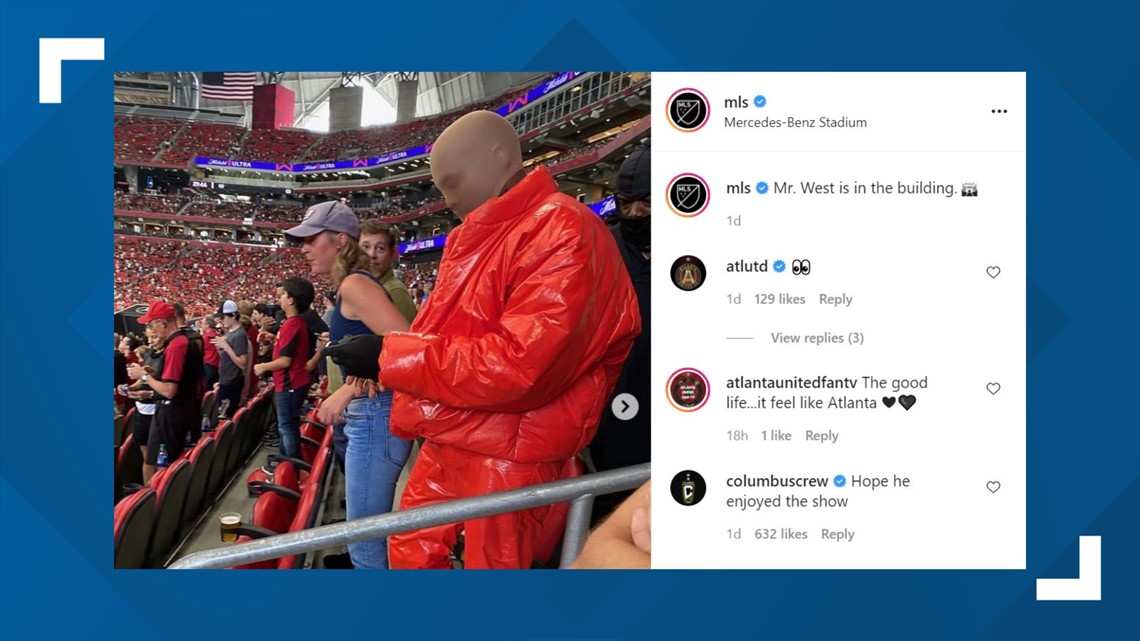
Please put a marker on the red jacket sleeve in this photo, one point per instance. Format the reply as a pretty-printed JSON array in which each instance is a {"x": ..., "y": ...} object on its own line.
[{"x": 538, "y": 349}]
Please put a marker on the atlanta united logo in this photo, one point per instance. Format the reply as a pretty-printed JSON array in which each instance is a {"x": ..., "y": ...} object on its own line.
[
  {"x": 688, "y": 273},
  {"x": 688, "y": 390},
  {"x": 688, "y": 110}
]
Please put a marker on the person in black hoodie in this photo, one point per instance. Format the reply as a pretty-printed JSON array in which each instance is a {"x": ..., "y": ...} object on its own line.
[{"x": 621, "y": 443}]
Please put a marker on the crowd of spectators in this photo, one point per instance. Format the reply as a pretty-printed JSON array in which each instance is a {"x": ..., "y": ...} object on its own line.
[
  {"x": 204, "y": 139},
  {"x": 258, "y": 285},
  {"x": 396, "y": 205},
  {"x": 575, "y": 152},
  {"x": 277, "y": 145},
  {"x": 228, "y": 209},
  {"x": 201, "y": 274},
  {"x": 140, "y": 139},
  {"x": 162, "y": 204},
  {"x": 279, "y": 213},
  {"x": 135, "y": 260}
]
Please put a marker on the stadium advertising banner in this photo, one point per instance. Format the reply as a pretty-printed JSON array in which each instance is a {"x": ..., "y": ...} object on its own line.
[
  {"x": 538, "y": 92},
  {"x": 300, "y": 168}
]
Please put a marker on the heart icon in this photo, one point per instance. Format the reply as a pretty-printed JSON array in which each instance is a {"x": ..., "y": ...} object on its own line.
[
  {"x": 993, "y": 486},
  {"x": 889, "y": 401},
  {"x": 993, "y": 271},
  {"x": 907, "y": 401},
  {"x": 993, "y": 388}
]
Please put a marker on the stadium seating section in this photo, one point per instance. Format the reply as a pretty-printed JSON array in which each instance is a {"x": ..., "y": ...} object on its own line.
[{"x": 152, "y": 521}]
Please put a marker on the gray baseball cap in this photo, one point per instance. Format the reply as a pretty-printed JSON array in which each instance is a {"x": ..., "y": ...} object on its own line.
[{"x": 330, "y": 216}]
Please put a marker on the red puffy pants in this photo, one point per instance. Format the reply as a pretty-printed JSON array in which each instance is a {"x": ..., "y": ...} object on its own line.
[{"x": 515, "y": 540}]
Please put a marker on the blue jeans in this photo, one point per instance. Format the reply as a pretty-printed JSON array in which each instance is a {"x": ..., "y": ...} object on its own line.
[
  {"x": 289, "y": 405},
  {"x": 372, "y": 462}
]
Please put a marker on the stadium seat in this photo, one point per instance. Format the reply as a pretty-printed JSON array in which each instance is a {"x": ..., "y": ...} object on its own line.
[
  {"x": 210, "y": 409},
  {"x": 171, "y": 485},
  {"x": 274, "y": 511},
  {"x": 250, "y": 428},
  {"x": 239, "y": 424},
  {"x": 121, "y": 424},
  {"x": 129, "y": 466},
  {"x": 134, "y": 521},
  {"x": 224, "y": 439},
  {"x": 312, "y": 491},
  {"x": 201, "y": 459}
]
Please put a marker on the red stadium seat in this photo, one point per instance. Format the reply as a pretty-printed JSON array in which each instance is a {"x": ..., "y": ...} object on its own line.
[
  {"x": 210, "y": 408},
  {"x": 239, "y": 424},
  {"x": 171, "y": 485},
  {"x": 311, "y": 493},
  {"x": 201, "y": 458},
  {"x": 224, "y": 437},
  {"x": 122, "y": 425},
  {"x": 274, "y": 511},
  {"x": 134, "y": 522},
  {"x": 129, "y": 466}
]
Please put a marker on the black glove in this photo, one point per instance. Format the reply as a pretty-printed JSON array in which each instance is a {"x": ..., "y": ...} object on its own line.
[{"x": 358, "y": 355}]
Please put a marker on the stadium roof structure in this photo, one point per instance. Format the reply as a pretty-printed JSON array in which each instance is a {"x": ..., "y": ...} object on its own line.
[{"x": 436, "y": 92}]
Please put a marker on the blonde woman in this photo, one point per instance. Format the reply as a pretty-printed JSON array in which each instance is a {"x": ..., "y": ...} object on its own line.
[{"x": 373, "y": 457}]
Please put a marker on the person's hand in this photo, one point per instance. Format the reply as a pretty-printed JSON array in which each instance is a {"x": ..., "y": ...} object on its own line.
[
  {"x": 332, "y": 408},
  {"x": 135, "y": 371},
  {"x": 639, "y": 529},
  {"x": 218, "y": 342},
  {"x": 259, "y": 369},
  {"x": 139, "y": 396},
  {"x": 358, "y": 355},
  {"x": 322, "y": 339}
]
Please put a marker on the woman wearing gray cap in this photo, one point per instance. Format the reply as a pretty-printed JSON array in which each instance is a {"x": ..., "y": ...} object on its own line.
[{"x": 373, "y": 457}]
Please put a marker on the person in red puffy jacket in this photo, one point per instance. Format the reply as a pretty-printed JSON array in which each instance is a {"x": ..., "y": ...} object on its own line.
[{"x": 510, "y": 362}]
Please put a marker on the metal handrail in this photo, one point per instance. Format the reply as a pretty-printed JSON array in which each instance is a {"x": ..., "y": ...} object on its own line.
[{"x": 580, "y": 491}]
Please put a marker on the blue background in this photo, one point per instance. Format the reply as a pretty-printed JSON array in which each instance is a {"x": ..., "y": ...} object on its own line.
[{"x": 1083, "y": 346}]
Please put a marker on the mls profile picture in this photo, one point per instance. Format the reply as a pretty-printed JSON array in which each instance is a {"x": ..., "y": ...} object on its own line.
[
  {"x": 688, "y": 488},
  {"x": 687, "y": 195},
  {"x": 688, "y": 389},
  {"x": 688, "y": 273},
  {"x": 688, "y": 110}
]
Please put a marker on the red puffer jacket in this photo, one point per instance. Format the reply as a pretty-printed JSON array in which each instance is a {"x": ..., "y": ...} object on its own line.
[{"x": 519, "y": 347}]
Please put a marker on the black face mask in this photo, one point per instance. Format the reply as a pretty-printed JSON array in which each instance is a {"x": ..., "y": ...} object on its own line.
[{"x": 635, "y": 231}]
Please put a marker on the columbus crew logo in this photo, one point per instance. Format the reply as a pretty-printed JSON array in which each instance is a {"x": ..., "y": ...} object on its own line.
[
  {"x": 688, "y": 390},
  {"x": 688, "y": 273},
  {"x": 688, "y": 487}
]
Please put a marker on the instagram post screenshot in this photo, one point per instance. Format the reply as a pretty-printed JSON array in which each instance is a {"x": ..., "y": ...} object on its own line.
[{"x": 642, "y": 321}]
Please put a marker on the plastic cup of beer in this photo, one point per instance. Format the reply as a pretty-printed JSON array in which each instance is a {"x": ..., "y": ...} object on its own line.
[{"x": 230, "y": 522}]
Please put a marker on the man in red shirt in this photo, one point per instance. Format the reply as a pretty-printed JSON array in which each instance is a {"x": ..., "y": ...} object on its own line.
[
  {"x": 290, "y": 352},
  {"x": 176, "y": 386}
]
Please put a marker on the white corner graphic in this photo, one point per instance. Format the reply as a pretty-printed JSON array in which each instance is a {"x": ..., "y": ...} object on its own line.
[
  {"x": 1086, "y": 587},
  {"x": 53, "y": 51}
]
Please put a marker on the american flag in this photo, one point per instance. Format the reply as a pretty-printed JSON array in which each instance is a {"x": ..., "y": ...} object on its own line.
[{"x": 217, "y": 85}]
